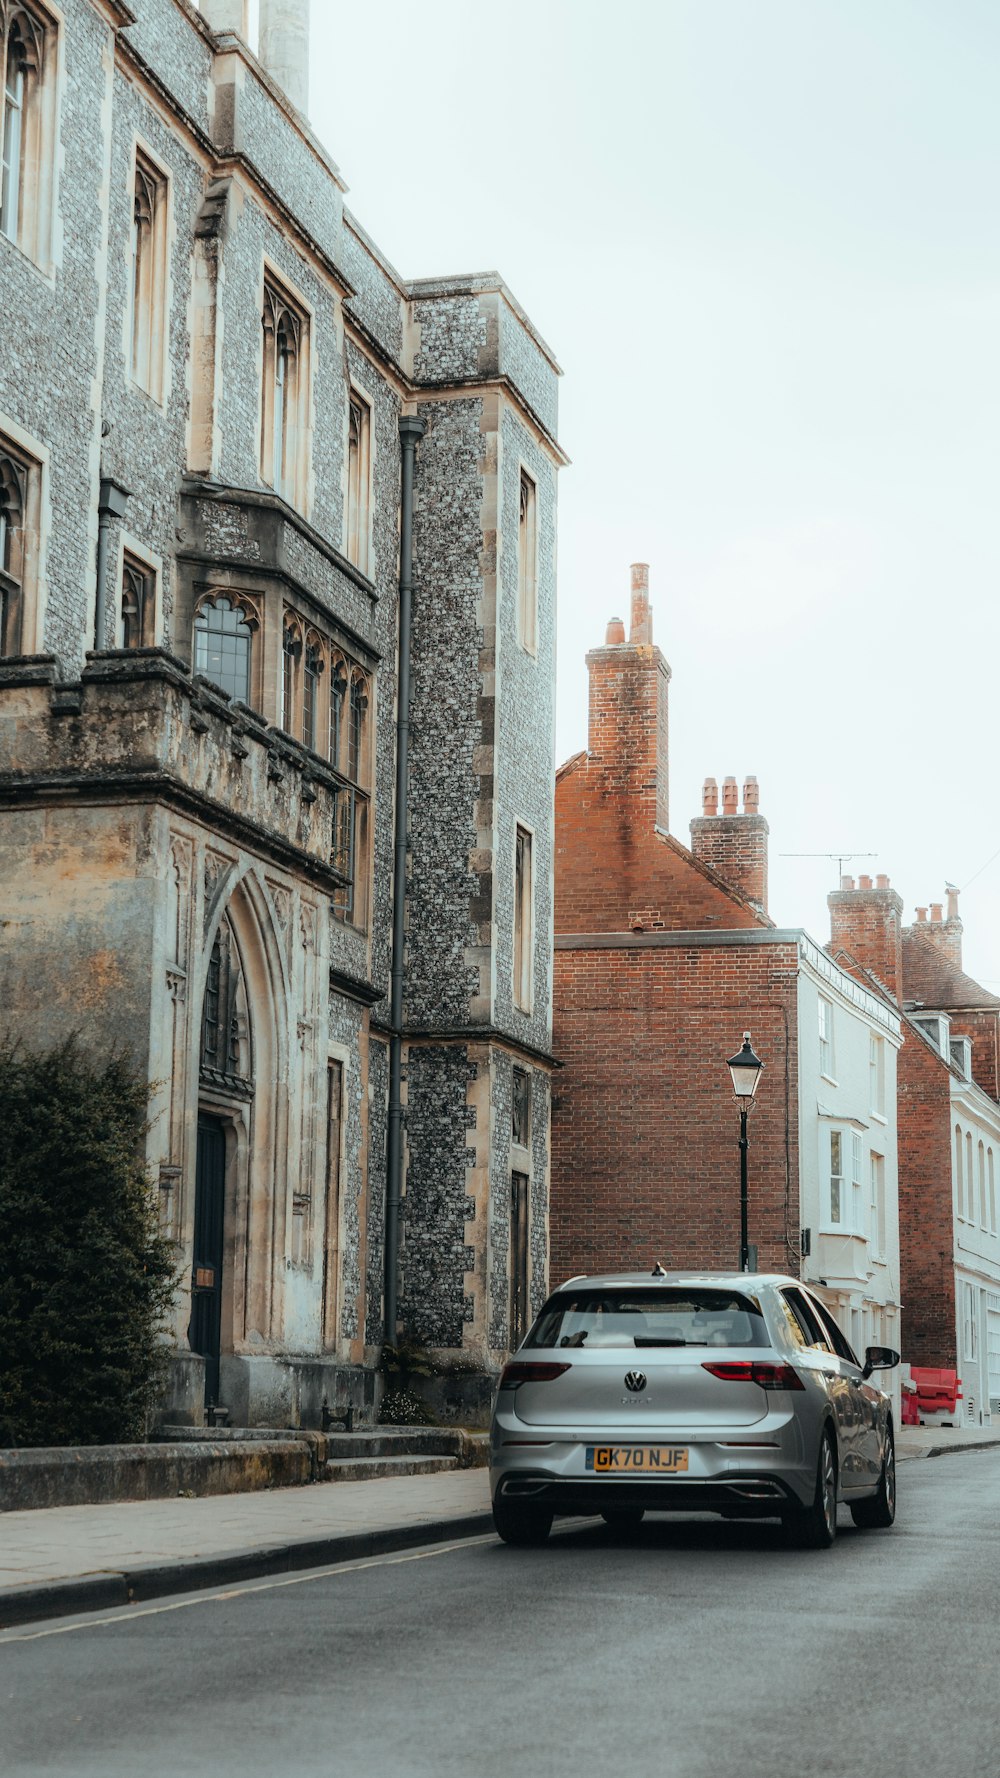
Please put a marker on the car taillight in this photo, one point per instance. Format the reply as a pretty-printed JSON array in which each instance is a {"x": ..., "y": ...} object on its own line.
[
  {"x": 530, "y": 1373},
  {"x": 766, "y": 1376}
]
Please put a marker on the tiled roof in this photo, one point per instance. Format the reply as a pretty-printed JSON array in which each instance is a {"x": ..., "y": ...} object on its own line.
[{"x": 928, "y": 976}]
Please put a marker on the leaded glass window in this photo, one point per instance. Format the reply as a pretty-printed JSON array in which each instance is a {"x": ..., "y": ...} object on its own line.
[{"x": 223, "y": 639}]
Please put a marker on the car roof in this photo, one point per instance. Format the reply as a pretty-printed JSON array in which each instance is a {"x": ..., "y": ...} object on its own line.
[{"x": 648, "y": 1280}]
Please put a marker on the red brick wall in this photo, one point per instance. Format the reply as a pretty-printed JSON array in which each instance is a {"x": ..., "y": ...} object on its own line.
[
  {"x": 983, "y": 1028},
  {"x": 628, "y": 736},
  {"x": 645, "y": 1158},
  {"x": 736, "y": 847},
  {"x": 612, "y": 871},
  {"x": 867, "y": 923},
  {"x": 926, "y": 1225}
]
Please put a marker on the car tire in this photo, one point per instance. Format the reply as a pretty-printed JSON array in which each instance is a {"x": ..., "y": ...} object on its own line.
[
  {"x": 521, "y": 1523},
  {"x": 623, "y": 1518},
  {"x": 814, "y": 1527},
  {"x": 878, "y": 1512}
]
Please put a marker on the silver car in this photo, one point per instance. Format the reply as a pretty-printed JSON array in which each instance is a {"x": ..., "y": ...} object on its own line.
[{"x": 731, "y": 1393}]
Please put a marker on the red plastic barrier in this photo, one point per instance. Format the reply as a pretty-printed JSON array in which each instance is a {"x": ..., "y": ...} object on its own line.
[{"x": 937, "y": 1390}]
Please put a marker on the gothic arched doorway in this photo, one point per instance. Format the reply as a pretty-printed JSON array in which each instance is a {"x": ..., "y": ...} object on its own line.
[{"x": 225, "y": 1094}]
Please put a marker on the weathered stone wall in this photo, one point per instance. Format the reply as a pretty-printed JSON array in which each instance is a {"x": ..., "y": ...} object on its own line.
[{"x": 198, "y": 808}]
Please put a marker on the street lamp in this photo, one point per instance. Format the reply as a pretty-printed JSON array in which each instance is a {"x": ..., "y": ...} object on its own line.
[{"x": 746, "y": 1070}]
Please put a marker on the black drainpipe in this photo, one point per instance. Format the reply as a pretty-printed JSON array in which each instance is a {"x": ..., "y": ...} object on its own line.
[{"x": 410, "y": 430}]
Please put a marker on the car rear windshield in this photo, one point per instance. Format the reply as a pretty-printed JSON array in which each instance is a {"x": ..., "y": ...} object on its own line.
[{"x": 629, "y": 1318}]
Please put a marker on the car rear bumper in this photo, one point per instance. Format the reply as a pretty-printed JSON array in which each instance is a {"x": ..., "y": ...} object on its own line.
[{"x": 751, "y": 1495}]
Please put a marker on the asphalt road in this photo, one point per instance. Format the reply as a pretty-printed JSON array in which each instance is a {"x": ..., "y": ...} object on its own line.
[{"x": 697, "y": 1649}]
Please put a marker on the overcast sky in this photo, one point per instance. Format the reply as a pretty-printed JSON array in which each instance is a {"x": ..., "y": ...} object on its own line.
[{"x": 761, "y": 238}]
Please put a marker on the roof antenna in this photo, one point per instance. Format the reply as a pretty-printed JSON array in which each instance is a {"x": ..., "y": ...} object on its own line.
[{"x": 658, "y": 1271}]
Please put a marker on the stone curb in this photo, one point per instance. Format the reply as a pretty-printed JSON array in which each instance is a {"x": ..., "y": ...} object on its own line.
[
  {"x": 101, "y": 1592},
  {"x": 984, "y": 1444}
]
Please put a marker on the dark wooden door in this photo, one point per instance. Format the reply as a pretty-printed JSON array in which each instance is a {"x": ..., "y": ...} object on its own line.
[
  {"x": 518, "y": 1258},
  {"x": 205, "y": 1331}
]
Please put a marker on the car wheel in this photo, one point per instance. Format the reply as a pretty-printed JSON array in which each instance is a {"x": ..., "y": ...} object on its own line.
[
  {"x": 814, "y": 1527},
  {"x": 623, "y": 1518},
  {"x": 878, "y": 1512},
  {"x": 521, "y": 1523}
]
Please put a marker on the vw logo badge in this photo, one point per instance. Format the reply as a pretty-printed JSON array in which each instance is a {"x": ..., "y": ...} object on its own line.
[{"x": 635, "y": 1381}]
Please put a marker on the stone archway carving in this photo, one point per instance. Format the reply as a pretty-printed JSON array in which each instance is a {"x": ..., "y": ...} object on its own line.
[{"x": 252, "y": 1310}]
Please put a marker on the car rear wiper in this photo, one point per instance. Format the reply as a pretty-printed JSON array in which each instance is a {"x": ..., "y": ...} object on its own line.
[{"x": 655, "y": 1340}]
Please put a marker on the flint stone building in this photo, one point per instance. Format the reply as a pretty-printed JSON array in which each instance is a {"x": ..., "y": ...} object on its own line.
[{"x": 210, "y": 385}]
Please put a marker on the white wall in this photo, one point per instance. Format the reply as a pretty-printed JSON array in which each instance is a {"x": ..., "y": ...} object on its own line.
[{"x": 854, "y": 1257}]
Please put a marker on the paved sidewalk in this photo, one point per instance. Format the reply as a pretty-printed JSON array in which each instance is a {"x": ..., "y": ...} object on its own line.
[{"x": 65, "y": 1559}]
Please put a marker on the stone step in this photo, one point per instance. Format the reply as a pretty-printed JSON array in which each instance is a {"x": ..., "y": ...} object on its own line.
[{"x": 369, "y": 1469}]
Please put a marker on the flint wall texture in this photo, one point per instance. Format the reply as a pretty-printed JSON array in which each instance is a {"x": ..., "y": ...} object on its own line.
[
  {"x": 50, "y": 362},
  {"x": 433, "y": 1304}
]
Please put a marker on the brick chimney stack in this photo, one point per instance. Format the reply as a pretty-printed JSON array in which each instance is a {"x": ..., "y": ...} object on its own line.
[
  {"x": 943, "y": 931},
  {"x": 866, "y": 922},
  {"x": 627, "y": 737},
  {"x": 734, "y": 845}
]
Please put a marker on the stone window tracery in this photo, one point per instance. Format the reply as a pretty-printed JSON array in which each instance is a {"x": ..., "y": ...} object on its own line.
[
  {"x": 359, "y": 429},
  {"x": 27, "y": 117},
  {"x": 312, "y": 670},
  {"x": 13, "y": 504},
  {"x": 223, "y": 643},
  {"x": 138, "y": 603},
  {"x": 149, "y": 275},
  {"x": 291, "y": 655},
  {"x": 523, "y": 935},
  {"x": 226, "y": 1058},
  {"x": 283, "y": 394},
  {"x": 527, "y": 577}
]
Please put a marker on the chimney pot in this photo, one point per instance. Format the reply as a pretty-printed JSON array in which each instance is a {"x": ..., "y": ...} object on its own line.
[
  {"x": 730, "y": 796},
  {"x": 751, "y": 796},
  {"x": 615, "y": 633},
  {"x": 710, "y": 797},
  {"x": 847, "y": 882},
  {"x": 641, "y": 624},
  {"x": 881, "y": 882},
  {"x": 864, "y": 882},
  {"x": 922, "y": 914},
  {"x": 952, "y": 895},
  {"x": 937, "y": 910}
]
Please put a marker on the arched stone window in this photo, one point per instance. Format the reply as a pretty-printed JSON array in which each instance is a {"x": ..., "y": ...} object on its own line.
[
  {"x": 291, "y": 656},
  {"x": 26, "y": 29},
  {"x": 223, "y": 643},
  {"x": 283, "y": 394},
  {"x": 356, "y": 728},
  {"x": 312, "y": 668},
  {"x": 149, "y": 275},
  {"x": 338, "y": 695},
  {"x": 359, "y": 416},
  {"x": 226, "y": 1059},
  {"x": 13, "y": 500},
  {"x": 138, "y": 603}
]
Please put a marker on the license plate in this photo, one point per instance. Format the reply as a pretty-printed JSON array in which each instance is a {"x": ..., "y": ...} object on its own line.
[{"x": 637, "y": 1459}]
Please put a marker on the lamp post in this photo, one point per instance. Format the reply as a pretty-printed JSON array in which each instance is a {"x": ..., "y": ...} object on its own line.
[{"x": 746, "y": 1070}]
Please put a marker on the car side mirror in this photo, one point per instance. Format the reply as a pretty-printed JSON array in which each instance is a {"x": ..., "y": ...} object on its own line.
[{"x": 879, "y": 1358}]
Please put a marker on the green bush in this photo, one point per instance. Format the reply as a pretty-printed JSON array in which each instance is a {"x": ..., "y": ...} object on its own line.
[{"x": 86, "y": 1277}]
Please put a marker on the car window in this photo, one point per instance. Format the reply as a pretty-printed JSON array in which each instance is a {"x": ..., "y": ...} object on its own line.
[
  {"x": 838, "y": 1339},
  {"x": 636, "y": 1318},
  {"x": 803, "y": 1325}
]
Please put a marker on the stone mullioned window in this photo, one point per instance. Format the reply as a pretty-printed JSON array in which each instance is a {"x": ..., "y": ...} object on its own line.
[
  {"x": 148, "y": 291},
  {"x": 284, "y": 394},
  {"x": 28, "y": 38}
]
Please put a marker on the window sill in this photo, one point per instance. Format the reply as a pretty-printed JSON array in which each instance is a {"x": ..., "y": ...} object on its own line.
[
  {"x": 879, "y": 1117},
  {"x": 831, "y": 1079}
]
